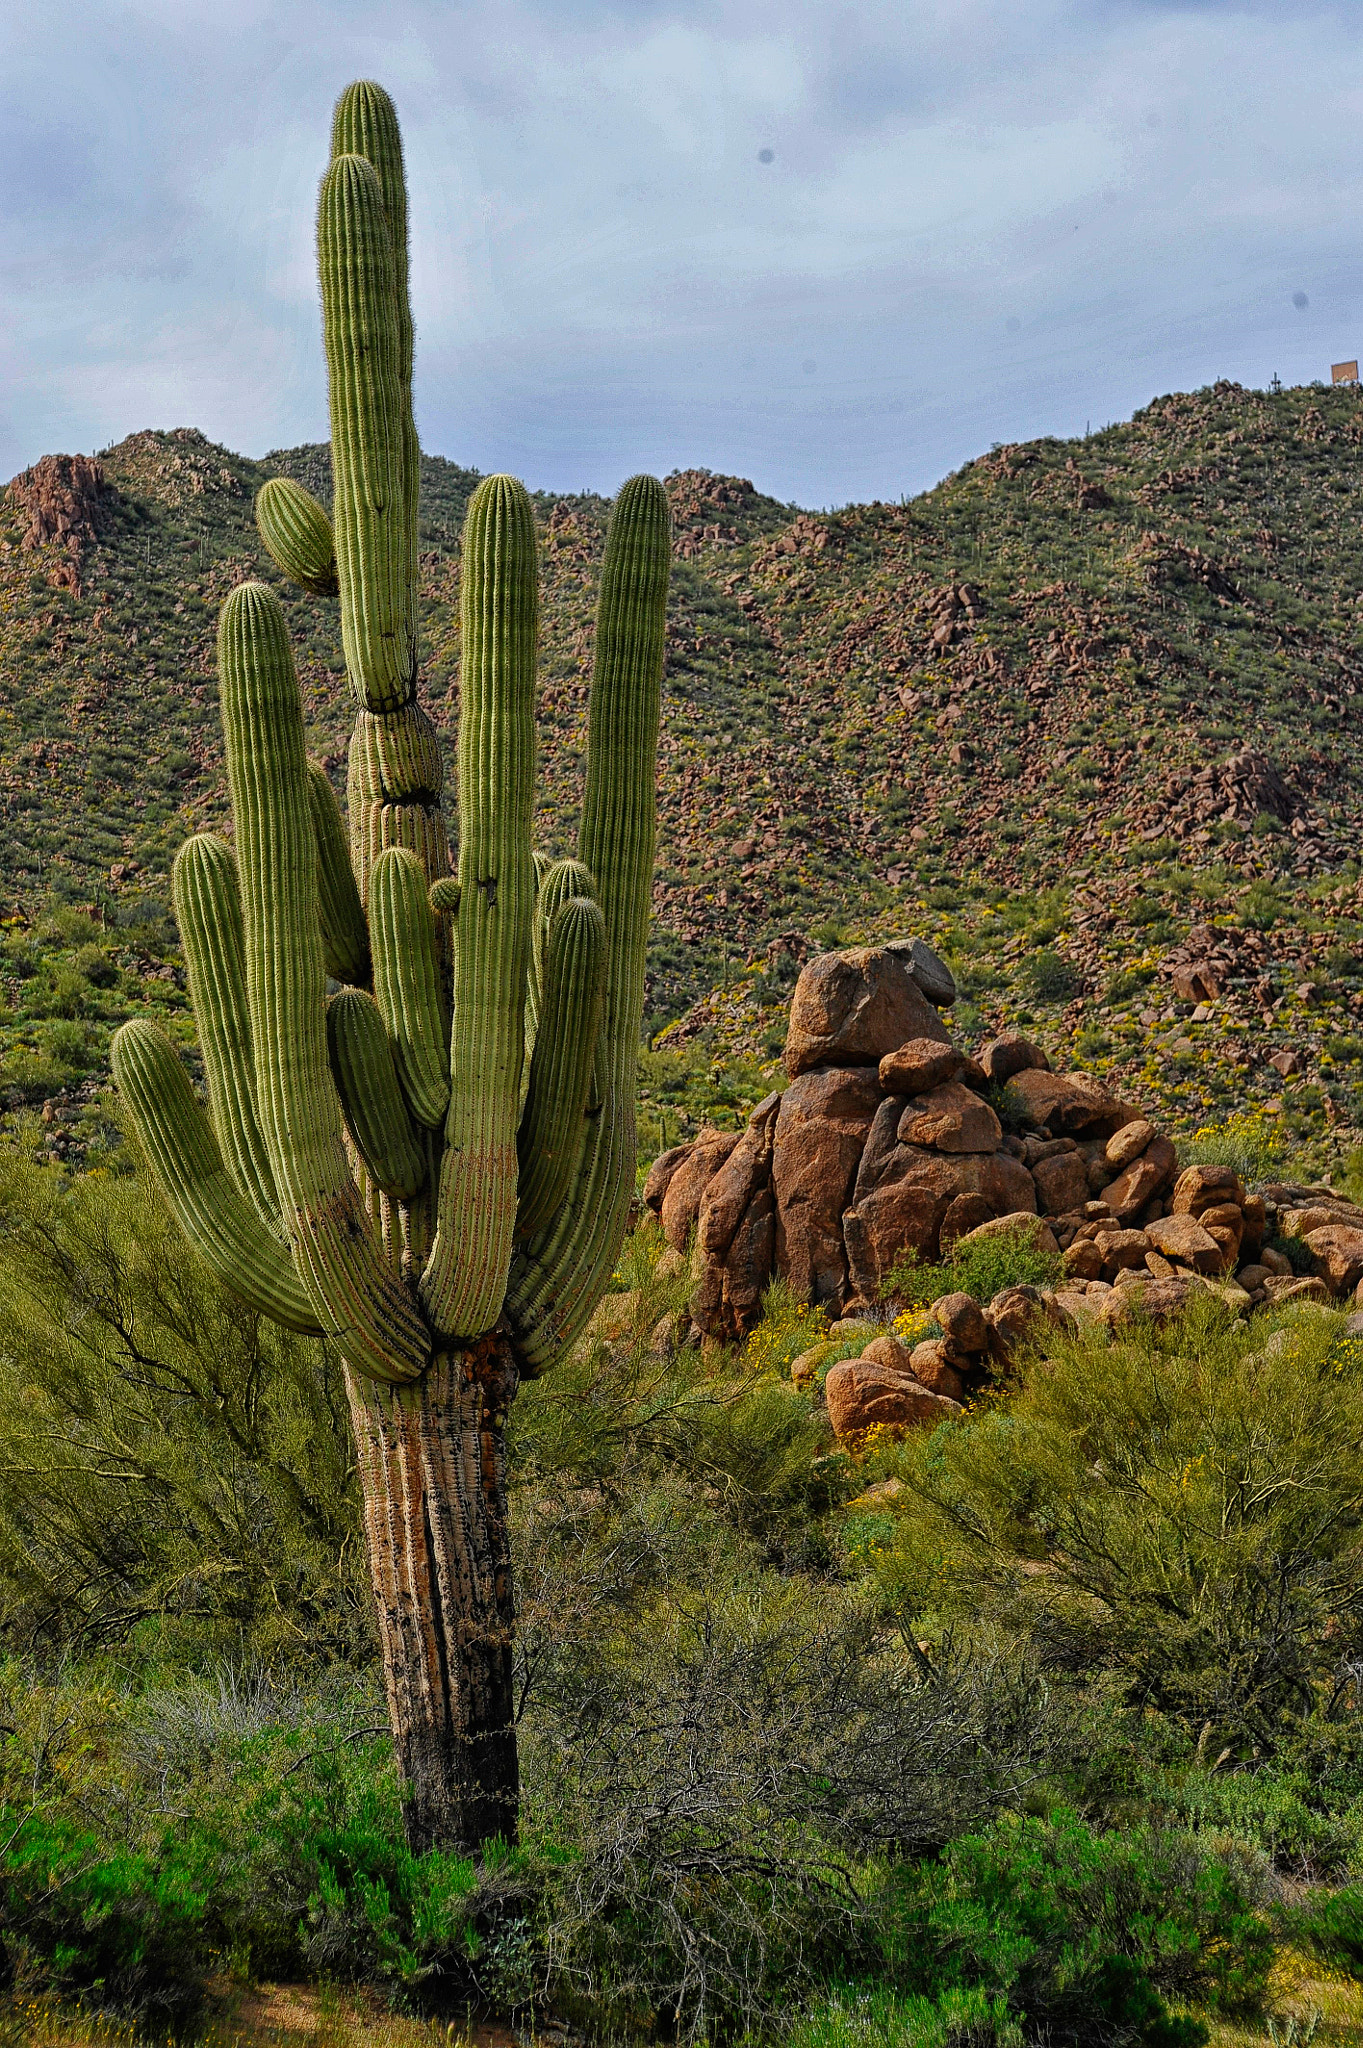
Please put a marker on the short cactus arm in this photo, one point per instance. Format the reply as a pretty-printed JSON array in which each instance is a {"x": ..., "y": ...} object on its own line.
[
  {"x": 375, "y": 1113},
  {"x": 370, "y": 509},
  {"x": 377, "y": 1329},
  {"x": 559, "y": 1276},
  {"x": 345, "y": 936},
  {"x": 558, "y": 881},
  {"x": 407, "y": 985},
  {"x": 554, "y": 1123},
  {"x": 298, "y": 535},
  {"x": 183, "y": 1152},
  {"x": 465, "y": 1278},
  {"x": 204, "y": 890}
]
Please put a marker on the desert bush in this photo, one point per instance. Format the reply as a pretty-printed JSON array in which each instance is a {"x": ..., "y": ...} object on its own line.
[
  {"x": 171, "y": 1466},
  {"x": 980, "y": 1268},
  {"x": 1250, "y": 1142},
  {"x": 1178, "y": 1505},
  {"x": 1048, "y": 977}
]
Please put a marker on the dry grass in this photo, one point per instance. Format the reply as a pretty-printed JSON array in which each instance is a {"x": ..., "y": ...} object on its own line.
[
  {"x": 1301, "y": 1986},
  {"x": 263, "y": 2016}
]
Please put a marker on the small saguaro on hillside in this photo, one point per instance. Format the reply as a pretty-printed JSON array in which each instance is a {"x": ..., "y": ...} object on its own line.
[{"x": 419, "y": 1139}]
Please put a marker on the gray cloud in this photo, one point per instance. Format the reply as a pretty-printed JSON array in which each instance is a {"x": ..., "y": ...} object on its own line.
[{"x": 980, "y": 221}]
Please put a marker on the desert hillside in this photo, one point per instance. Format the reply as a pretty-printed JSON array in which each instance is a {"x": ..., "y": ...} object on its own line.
[{"x": 1079, "y": 715}]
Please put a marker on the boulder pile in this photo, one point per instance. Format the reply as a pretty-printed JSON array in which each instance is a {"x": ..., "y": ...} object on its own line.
[{"x": 891, "y": 1141}]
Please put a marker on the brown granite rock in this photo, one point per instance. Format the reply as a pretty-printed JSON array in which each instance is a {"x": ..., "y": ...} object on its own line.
[
  {"x": 850, "y": 1009},
  {"x": 1121, "y": 1249},
  {"x": 950, "y": 1118},
  {"x": 964, "y": 1214},
  {"x": 961, "y": 1320},
  {"x": 732, "y": 1186},
  {"x": 921, "y": 1064},
  {"x": 862, "y": 1396},
  {"x": 1137, "y": 1185},
  {"x": 934, "y": 1365},
  {"x": 889, "y": 1352},
  {"x": 748, "y": 1266},
  {"x": 1129, "y": 1142},
  {"x": 821, "y": 1129},
  {"x": 1339, "y": 1250},
  {"x": 1011, "y": 1054},
  {"x": 1182, "y": 1237},
  {"x": 1083, "y": 1260},
  {"x": 661, "y": 1172},
  {"x": 1201, "y": 1187},
  {"x": 1066, "y": 1105},
  {"x": 686, "y": 1187},
  {"x": 1061, "y": 1182},
  {"x": 906, "y": 1210}
]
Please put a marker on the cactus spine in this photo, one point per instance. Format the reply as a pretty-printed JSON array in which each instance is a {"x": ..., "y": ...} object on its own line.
[{"x": 431, "y": 1165}]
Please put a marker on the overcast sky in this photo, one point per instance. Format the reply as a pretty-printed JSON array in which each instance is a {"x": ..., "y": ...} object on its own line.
[{"x": 836, "y": 248}]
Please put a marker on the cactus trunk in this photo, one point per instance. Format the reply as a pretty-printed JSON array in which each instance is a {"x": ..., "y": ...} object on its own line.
[
  {"x": 432, "y": 1463},
  {"x": 431, "y": 1165}
]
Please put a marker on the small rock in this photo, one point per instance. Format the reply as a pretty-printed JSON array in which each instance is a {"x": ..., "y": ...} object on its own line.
[
  {"x": 1129, "y": 1142},
  {"x": 1121, "y": 1249},
  {"x": 849, "y": 1009},
  {"x": 1309, "y": 1288},
  {"x": 1253, "y": 1277},
  {"x": 1067, "y": 1105},
  {"x": 933, "y": 976},
  {"x": 1062, "y": 1182},
  {"x": 933, "y": 1366},
  {"x": 1201, "y": 1187},
  {"x": 1181, "y": 1237},
  {"x": 961, "y": 1319},
  {"x": 1278, "y": 1263},
  {"x": 889, "y": 1351},
  {"x": 1340, "y": 1251},
  {"x": 1021, "y": 1223},
  {"x": 950, "y": 1119},
  {"x": 862, "y": 1396},
  {"x": 918, "y": 1066},
  {"x": 1083, "y": 1260},
  {"x": 1011, "y": 1055}
]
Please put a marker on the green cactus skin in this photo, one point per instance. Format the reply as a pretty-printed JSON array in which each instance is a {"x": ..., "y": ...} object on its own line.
[
  {"x": 559, "y": 1276},
  {"x": 370, "y": 506},
  {"x": 465, "y": 1280},
  {"x": 345, "y": 936},
  {"x": 203, "y": 881},
  {"x": 362, "y": 1306},
  {"x": 553, "y": 1126},
  {"x": 298, "y": 535},
  {"x": 367, "y": 1083},
  {"x": 373, "y": 1177},
  {"x": 407, "y": 984},
  {"x": 203, "y": 1197}
]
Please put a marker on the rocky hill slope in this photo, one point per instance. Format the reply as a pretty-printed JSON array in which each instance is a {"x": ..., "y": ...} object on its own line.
[{"x": 1081, "y": 714}]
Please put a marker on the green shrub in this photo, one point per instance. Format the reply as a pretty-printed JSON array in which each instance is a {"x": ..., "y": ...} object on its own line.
[
  {"x": 874, "y": 2017},
  {"x": 1048, "y": 977},
  {"x": 1330, "y": 1925},
  {"x": 1177, "y": 1505},
  {"x": 980, "y": 1267}
]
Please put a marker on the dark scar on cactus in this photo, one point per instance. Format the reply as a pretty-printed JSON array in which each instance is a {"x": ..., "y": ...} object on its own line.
[{"x": 490, "y": 884}]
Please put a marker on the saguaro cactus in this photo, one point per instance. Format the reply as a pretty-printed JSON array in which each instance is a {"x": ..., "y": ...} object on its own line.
[{"x": 419, "y": 1136}]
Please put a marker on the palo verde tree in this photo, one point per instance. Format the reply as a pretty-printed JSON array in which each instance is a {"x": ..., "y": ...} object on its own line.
[{"x": 419, "y": 1138}]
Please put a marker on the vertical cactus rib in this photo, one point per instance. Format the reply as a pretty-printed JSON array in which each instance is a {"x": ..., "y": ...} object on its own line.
[
  {"x": 371, "y": 1100},
  {"x": 297, "y": 534},
  {"x": 465, "y": 1279},
  {"x": 365, "y": 124},
  {"x": 374, "y": 557},
  {"x": 375, "y": 1324},
  {"x": 407, "y": 984},
  {"x": 207, "y": 900},
  {"x": 183, "y": 1153},
  {"x": 558, "y": 1277},
  {"x": 345, "y": 936},
  {"x": 553, "y": 1125}
]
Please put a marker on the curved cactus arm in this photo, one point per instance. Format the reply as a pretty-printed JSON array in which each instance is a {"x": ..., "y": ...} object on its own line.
[
  {"x": 559, "y": 1276},
  {"x": 345, "y": 935},
  {"x": 207, "y": 900},
  {"x": 554, "y": 1123},
  {"x": 297, "y": 533},
  {"x": 371, "y": 511},
  {"x": 465, "y": 1278},
  {"x": 360, "y": 1302},
  {"x": 183, "y": 1152},
  {"x": 558, "y": 881},
  {"x": 371, "y": 1100},
  {"x": 407, "y": 982}
]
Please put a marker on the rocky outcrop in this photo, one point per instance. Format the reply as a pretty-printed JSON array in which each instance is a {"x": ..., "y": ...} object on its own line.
[
  {"x": 63, "y": 496},
  {"x": 891, "y": 1142}
]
